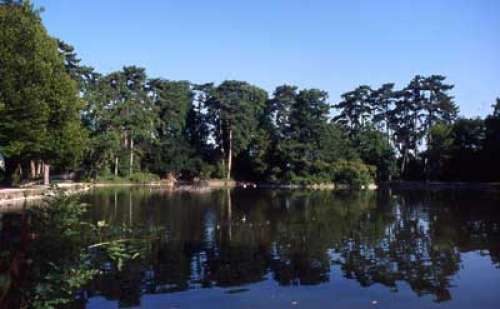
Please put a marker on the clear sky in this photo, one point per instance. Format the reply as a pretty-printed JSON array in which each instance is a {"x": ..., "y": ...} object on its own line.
[{"x": 326, "y": 44}]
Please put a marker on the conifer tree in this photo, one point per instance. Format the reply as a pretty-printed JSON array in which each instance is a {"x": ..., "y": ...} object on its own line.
[
  {"x": 235, "y": 108},
  {"x": 356, "y": 109}
]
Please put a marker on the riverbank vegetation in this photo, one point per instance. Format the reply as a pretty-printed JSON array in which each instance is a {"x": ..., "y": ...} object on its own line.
[
  {"x": 59, "y": 115},
  {"x": 34, "y": 277}
]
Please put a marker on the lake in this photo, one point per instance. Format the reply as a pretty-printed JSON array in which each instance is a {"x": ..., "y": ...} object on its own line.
[{"x": 254, "y": 248}]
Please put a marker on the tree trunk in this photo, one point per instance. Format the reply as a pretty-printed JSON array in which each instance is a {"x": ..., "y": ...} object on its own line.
[
  {"x": 428, "y": 129},
  {"x": 230, "y": 155},
  {"x": 415, "y": 128},
  {"x": 223, "y": 152},
  {"x": 32, "y": 169},
  {"x": 46, "y": 174},
  {"x": 39, "y": 168},
  {"x": 116, "y": 166},
  {"x": 131, "y": 167}
]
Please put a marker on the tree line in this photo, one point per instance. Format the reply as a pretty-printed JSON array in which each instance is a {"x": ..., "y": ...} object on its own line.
[{"x": 58, "y": 113}]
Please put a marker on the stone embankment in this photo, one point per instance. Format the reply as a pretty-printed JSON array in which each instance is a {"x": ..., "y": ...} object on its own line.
[{"x": 13, "y": 197}]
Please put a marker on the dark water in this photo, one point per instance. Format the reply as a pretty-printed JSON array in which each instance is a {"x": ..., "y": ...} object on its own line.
[{"x": 291, "y": 249}]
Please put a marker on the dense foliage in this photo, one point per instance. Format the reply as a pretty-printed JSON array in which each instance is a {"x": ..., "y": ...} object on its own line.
[
  {"x": 132, "y": 124},
  {"x": 39, "y": 105}
]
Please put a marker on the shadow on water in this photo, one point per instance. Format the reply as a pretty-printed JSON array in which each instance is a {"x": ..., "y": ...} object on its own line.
[{"x": 235, "y": 239}]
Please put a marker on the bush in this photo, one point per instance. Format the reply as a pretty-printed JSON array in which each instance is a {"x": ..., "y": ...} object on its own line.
[
  {"x": 220, "y": 171},
  {"x": 375, "y": 149},
  {"x": 139, "y": 177},
  {"x": 144, "y": 178},
  {"x": 206, "y": 171},
  {"x": 353, "y": 173},
  {"x": 310, "y": 180},
  {"x": 109, "y": 178}
]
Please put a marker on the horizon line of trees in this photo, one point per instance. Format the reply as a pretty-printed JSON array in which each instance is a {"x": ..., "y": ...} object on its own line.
[{"x": 56, "y": 112}]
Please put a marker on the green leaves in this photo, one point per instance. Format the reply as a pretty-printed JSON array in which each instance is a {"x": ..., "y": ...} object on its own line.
[
  {"x": 404, "y": 116},
  {"x": 171, "y": 151},
  {"x": 39, "y": 104},
  {"x": 234, "y": 110},
  {"x": 121, "y": 118},
  {"x": 69, "y": 251},
  {"x": 356, "y": 108},
  {"x": 236, "y": 106},
  {"x": 374, "y": 148}
]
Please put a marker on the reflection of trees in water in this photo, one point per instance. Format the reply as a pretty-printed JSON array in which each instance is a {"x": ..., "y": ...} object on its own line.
[
  {"x": 297, "y": 236},
  {"x": 240, "y": 251},
  {"x": 464, "y": 221},
  {"x": 14, "y": 242},
  {"x": 311, "y": 225},
  {"x": 169, "y": 263},
  {"x": 234, "y": 238},
  {"x": 405, "y": 251},
  {"x": 125, "y": 285},
  {"x": 422, "y": 246}
]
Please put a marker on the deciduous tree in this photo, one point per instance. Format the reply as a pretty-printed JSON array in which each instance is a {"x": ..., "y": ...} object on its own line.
[{"x": 40, "y": 103}]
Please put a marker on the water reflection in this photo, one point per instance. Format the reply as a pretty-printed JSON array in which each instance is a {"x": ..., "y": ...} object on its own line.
[
  {"x": 240, "y": 237},
  {"x": 234, "y": 238}
]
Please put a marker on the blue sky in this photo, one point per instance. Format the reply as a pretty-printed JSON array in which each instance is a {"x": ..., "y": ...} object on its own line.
[{"x": 331, "y": 45}]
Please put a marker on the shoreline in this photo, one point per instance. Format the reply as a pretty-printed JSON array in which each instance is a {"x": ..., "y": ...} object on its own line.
[
  {"x": 441, "y": 185},
  {"x": 11, "y": 197}
]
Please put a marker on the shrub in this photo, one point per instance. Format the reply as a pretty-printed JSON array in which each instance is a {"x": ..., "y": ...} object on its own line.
[
  {"x": 354, "y": 173},
  {"x": 206, "y": 171},
  {"x": 109, "y": 178},
  {"x": 220, "y": 171},
  {"x": 140, "y": 177},
  {"x": 143, "y": 178}
]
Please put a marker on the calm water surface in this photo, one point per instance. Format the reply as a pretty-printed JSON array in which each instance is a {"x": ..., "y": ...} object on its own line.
[{"x": 293, "y": 249}]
